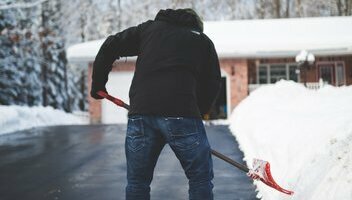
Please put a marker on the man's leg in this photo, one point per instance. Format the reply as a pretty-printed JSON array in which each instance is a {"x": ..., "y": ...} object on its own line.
[
  {"x": 143, "y": 146},
  {"x": 188, "y": 140}
]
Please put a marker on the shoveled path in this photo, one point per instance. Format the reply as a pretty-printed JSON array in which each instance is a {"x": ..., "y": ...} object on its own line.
[{"x": 88, "y": 162}]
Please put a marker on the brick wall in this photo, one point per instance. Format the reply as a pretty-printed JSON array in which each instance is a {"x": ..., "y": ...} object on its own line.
[
  {"x": 237, "y": 69},
  {"x": 94, "y": 105},
  {"x": 123, "y": 66}
]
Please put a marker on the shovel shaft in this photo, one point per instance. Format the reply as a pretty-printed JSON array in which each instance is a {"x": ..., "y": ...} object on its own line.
[
  {"x": 215, "y": 153},
  {"x": 116, "y": 101},
  {"x": 230, "y": 161}
]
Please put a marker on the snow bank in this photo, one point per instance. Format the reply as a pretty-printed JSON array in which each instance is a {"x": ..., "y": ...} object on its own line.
[
  {"x": 14, "y": 118},
  {"x": 306, "y": 135}
]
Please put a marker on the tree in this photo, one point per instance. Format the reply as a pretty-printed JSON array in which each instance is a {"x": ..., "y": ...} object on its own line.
[
  {"x": 112, "y": 17},
  {"x": 344, "y": 7},
  {"x": 19, "y": 67},
  {"x": 182, "y": 4},
  {"x": 277, "y": 8},
  {"x": 260, "y": 8},
  {"x": 288, "y": 7},
  {"x": 232, "y": 5},
  {"x": 60, "y": 85}
]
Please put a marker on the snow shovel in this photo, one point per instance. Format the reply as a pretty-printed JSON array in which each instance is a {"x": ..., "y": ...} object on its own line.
[{"x": 261, "y": 169}]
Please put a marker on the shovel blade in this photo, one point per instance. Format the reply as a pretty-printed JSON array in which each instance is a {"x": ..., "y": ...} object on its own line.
[{"x": 261, "y": 171}]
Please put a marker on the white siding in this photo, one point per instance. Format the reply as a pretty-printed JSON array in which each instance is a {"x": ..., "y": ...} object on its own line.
[{"x": 118, "y": 86}]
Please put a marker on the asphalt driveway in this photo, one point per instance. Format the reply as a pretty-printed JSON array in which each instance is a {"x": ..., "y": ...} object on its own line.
[{"x": 88, "y": 163}]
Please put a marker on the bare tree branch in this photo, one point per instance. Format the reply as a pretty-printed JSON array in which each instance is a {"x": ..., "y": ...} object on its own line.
[
  {"x": 288, "y": 7},
  {"x": 299, "y": 8},
  {"x": 277, "y": 7}
]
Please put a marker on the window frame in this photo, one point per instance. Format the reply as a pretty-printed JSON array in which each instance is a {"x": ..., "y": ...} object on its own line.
[
  {"x": 268, "y": 70},
  {"x": 334, "y": 63}
]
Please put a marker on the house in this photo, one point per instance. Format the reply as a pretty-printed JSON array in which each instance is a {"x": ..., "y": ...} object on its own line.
[{"x": 251, "y": 53}]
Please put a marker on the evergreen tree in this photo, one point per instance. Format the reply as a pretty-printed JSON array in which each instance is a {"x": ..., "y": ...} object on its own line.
[
  {"x": 60, "y": 89},
  {"x": 19, "y": 67}
]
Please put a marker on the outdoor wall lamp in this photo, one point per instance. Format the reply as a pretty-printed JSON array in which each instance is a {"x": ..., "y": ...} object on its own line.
[{"x": 305, "y": 59}]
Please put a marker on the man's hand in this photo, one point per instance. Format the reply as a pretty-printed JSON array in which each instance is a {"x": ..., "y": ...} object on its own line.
[{"x": 93, "y": 93}]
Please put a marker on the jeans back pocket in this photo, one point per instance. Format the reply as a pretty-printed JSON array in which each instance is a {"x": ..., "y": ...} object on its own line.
[
  {"x": 184, "y": 132},
  {"x": 135, "y": 139}
]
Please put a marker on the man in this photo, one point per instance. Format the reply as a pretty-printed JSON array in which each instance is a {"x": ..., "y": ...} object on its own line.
[{"x": 176, "y": 80}]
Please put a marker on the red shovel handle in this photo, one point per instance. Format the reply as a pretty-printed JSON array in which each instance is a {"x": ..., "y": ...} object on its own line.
[{"x": 116, "y": 101}]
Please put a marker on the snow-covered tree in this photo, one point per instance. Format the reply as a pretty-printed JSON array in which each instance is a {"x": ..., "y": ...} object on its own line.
[
  {"x": 262, "y": 9},
  {"x": 33, "y": 66},
  {"x": 54, "y": 71},
  {"x": 232, "y": 5},
  {"x": 299, "y": 8},
  {"x": 19, "y": 67},
  {"x": 342, "y": 7},
  {"x": 111, "y": 17},
  {"x": 60, "y": 84}
]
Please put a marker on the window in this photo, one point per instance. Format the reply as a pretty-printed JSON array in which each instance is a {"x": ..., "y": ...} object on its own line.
[
  {"x": 263, "y": 74},
  {"x": 340, "y": 74},
  {"x": 293, "y": 73},
  {"x": 275, "y": 72},
  {"x": 326, "y": 72},
  {"x": 332, "y": 73}
]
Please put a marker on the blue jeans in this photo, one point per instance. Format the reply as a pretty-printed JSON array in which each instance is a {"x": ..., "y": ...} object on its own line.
[{"x": 147, "y": 135}]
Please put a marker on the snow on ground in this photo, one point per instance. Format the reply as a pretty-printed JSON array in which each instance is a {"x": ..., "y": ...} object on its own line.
[
  {"x": 217, "y": 122},
  {"x": 305, "y": 134},
  {"x": 14, "y": 118}
]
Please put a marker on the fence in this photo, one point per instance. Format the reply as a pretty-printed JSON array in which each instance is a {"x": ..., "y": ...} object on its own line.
[{"x": 316, "y": 85}]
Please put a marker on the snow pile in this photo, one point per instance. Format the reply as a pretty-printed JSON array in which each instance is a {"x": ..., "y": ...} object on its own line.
[
  {"x": 306, "y": 135},
  {"x": 14, "y": 118}
]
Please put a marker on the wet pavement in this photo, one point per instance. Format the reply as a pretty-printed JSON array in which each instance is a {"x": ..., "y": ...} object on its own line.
[{"x": 88, "y": 163}]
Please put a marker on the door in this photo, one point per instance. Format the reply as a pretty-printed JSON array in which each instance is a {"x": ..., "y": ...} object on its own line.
[
  {"x": 220, "y": 108},
  {"x": 340, "y": 74},
  {"x": 118, "y": 85},
  {"x": 326, "y": 72}
]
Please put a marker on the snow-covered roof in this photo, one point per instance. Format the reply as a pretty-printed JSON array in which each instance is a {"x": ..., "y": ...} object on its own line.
[{"x": 263, "y": 38}]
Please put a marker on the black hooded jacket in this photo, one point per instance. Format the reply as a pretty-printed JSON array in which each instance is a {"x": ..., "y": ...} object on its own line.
[{"x": 177, "y": 70}]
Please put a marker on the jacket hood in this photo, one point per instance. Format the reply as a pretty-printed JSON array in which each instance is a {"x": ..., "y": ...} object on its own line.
[{"x": 184, "y": 17}]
